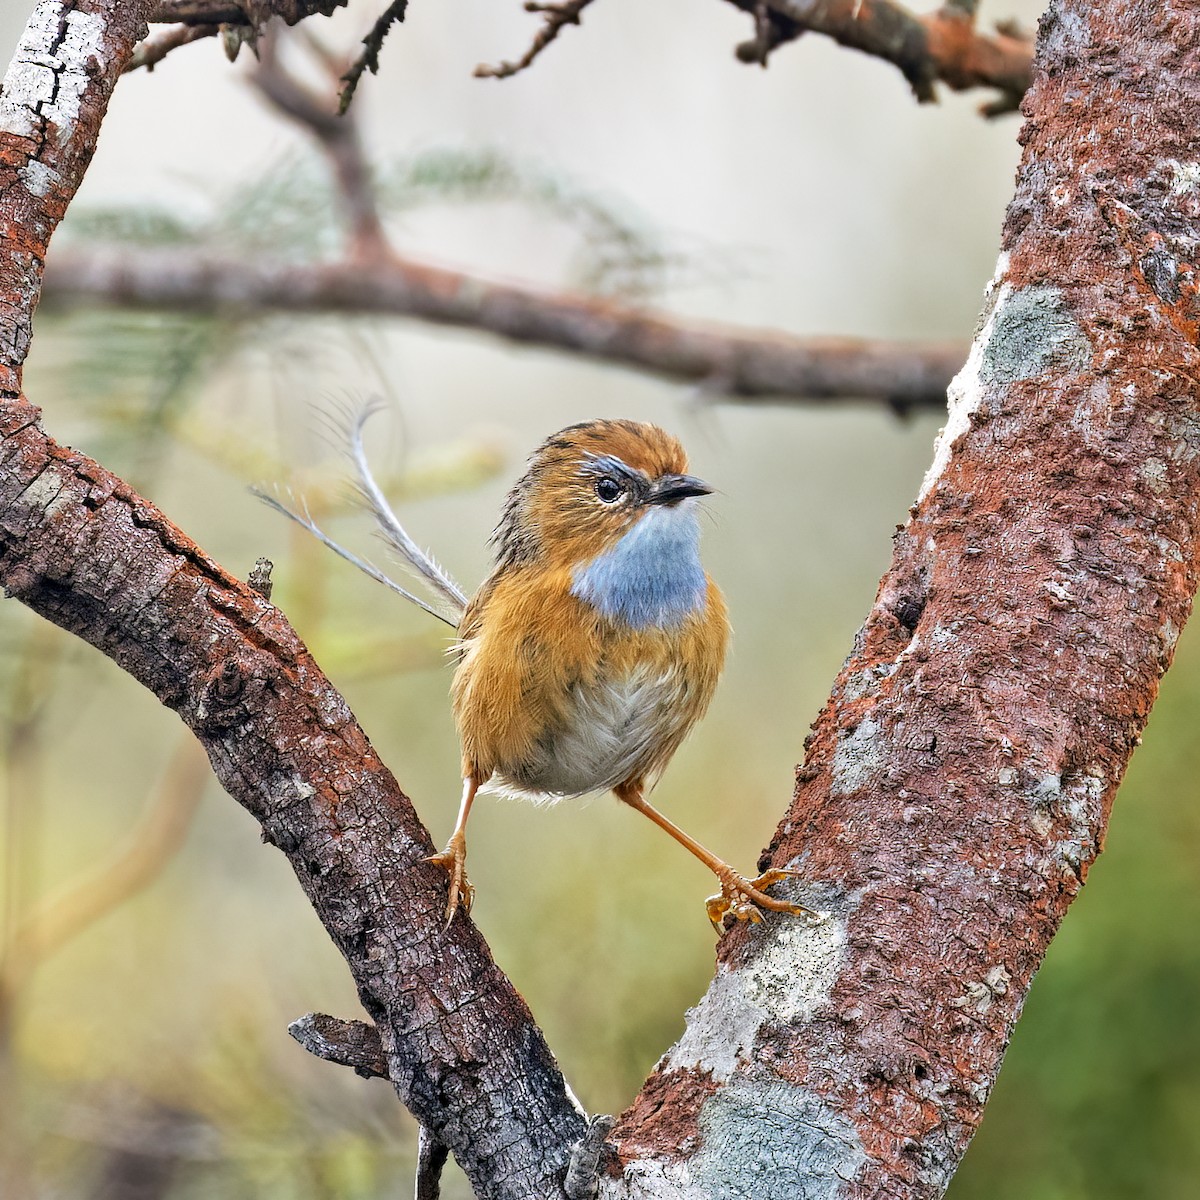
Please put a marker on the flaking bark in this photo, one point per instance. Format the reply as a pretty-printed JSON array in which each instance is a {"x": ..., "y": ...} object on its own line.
[
  {"x": 958, "y": 782},
  {"x": 83, "y": 549}
]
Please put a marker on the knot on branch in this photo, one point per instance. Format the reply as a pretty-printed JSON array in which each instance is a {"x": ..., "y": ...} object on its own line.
[
  {"x": 352, "y": 1044},
  {"x": 231, "y": 688}
]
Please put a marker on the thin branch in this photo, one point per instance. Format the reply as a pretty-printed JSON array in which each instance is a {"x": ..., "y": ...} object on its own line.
[
  {"x": 154, "y": 49},
  {"x": 726, "y": 363},
  {"x": 557, "y": 17},
  {"x": 338, "y": 137},
  {"x": 368, "y": 59},
  {"x": 940, "y": 46}
]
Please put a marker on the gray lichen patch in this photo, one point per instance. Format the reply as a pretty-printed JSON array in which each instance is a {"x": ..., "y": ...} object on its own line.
[
  {"x": 767, "y": 1138},
  {"x": 859, "y": 756},
  {"x": 786, "y": 984},
  {"x": 794, "y": 975},
  {"x": 866, "y": 682},
  {"x": 1032, "y": 331},
  {"x": 720, "y": 1030}
]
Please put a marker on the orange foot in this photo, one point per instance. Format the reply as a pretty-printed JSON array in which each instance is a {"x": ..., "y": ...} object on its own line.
[
  {"x": 453, "y": 860},
  {"x": 743, "y": 899}
]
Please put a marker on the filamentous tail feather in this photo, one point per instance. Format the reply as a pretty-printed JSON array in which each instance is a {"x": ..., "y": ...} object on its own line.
[{"x": 447, "y": 601}]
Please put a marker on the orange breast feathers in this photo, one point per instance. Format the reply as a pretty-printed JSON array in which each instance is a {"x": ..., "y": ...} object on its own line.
[{"x": 554, "y": 698}]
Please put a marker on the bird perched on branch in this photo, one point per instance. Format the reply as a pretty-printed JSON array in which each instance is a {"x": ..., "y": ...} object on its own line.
[{"x": 594, "y": 645}]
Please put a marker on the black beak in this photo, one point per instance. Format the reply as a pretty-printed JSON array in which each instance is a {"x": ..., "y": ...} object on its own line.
[{"x": 670, "y": 489}]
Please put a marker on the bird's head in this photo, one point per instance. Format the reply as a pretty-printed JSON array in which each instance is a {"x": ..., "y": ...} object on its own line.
[{"x": 587, "y": 486}]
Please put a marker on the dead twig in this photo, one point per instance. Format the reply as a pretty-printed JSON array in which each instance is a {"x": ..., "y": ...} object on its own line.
[
  {"x": 154, "y": 49},
  {"x": 368, "y": 59},
  {"x": 557, "y": 16}
]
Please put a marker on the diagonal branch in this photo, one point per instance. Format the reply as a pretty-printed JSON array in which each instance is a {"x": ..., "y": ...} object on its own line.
[
  {"x": 958, "y": 782},
  {"x": 83, "y": 549},
  {"x": 727, "y": 363},
  {"x": 556, "y": 16}
]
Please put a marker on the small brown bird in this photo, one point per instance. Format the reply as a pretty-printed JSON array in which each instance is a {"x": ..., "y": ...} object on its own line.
[{"x": 595, "y": 644}]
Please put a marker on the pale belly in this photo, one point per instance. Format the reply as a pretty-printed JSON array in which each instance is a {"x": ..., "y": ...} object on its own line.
[{"x": 618, "y": 731}]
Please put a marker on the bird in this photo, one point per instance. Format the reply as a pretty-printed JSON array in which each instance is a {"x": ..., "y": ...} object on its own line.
[{"x": 594, "y": 645}]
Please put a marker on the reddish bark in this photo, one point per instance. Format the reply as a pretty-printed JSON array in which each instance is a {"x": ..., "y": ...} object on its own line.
[
  {"x": 940, "y": 46},
  {"x": 55, "y": 97},
  {"x": 958, "y": 783}
]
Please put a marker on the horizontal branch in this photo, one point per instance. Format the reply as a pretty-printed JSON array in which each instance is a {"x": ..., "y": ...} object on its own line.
[
  {"x": 940, "y": 46},
  {"x": 238, "y": 12},
  {"x": 730, "y": 363}
]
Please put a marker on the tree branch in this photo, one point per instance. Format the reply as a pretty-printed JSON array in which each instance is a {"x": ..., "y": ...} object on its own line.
[
  {"x": 940, "y": 46},
  {"x": 154, "y": 49},
  {"x": 957, "y": 784},
  {"x": 83, "y": 549},
  {"x": 556, "y": 17},
  {"x": 748, "y": 365}
]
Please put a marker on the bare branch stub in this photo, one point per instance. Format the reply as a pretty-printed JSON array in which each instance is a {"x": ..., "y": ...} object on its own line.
[
  {"x": 557, "y": 17},
  {"x": 154, "y": 49},
  {"x": 352, "y": 1044}
]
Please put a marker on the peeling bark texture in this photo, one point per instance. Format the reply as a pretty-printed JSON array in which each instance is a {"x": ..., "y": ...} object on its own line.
[
  {"x": 80, "y": 547},
  {"x": 726, "y": 362},
  {"x": 55, "y": 95},
  {"x": 959, "y": 781}
]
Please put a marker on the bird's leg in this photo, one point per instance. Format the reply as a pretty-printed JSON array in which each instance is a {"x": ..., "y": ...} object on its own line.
[
  {"x": 739, "y": 897},
  {"x": 453, "y": 860}
]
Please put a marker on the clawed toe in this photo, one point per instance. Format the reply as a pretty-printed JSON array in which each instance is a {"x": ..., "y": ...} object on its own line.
[
  {"x": 453, "y": 860},
  {"x": 743, "y": 899}
]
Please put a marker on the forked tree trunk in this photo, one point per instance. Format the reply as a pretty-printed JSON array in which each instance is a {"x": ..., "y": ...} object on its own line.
[{"x": 958, "y": 782}]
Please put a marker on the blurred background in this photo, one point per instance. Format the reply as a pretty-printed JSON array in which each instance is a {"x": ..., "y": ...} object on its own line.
[{"x": 155, "y": 950}]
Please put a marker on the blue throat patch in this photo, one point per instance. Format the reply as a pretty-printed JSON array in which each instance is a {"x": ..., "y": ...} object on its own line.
[{"x": 652, "y": 576}]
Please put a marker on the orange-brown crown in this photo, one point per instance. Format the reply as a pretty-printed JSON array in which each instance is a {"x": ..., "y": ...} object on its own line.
[{"x": 555, "y": 512}]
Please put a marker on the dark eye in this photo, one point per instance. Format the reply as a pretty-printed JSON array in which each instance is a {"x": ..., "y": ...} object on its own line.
[{"x": 609, "y": 490}]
